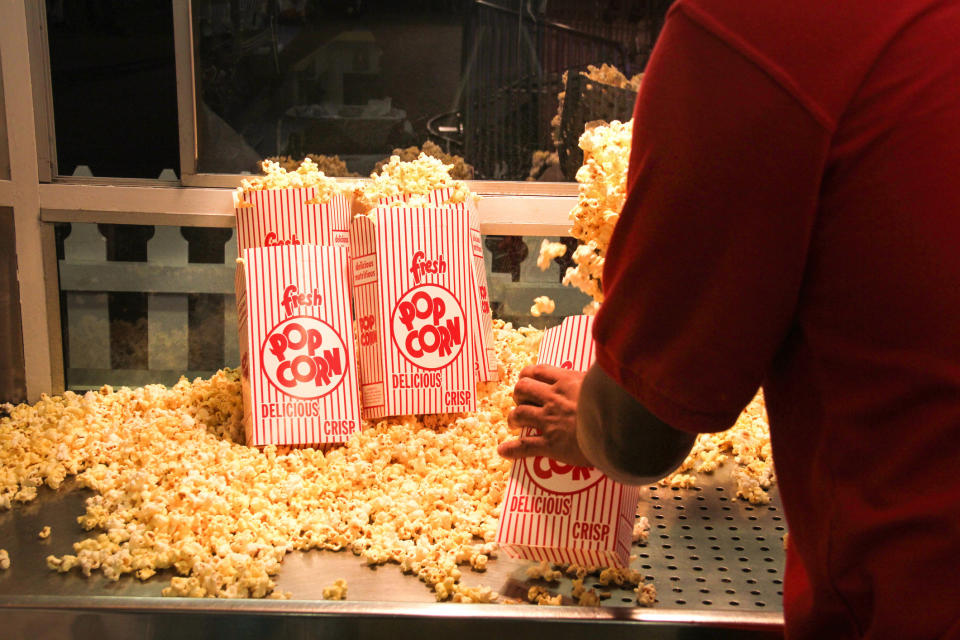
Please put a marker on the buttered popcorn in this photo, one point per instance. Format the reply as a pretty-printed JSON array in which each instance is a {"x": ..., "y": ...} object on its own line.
[
  {"x": 602, "y": 191},
  {"x": 548, "y": 252},
  {"x": 4, "y": 560},
  {"x": 275, "y": 176},
  {"x": 747, "y": 443},
  {"x": 409, "y": 184},
  {"x": 336, "y": 591},
  {"x": 174, "y": 489},
  {"x": 542, "y": 305}
]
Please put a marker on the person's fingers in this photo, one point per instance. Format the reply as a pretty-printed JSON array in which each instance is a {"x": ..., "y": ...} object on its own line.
[
  {"x": 531, "y": 391},
  {"x": 525, "y": 415},
  {"x": 523, "y": 447},
  {"x": 542, "y": 372}
]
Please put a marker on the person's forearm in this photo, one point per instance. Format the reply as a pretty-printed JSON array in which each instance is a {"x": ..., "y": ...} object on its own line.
[{"x": 621, "y": 438}]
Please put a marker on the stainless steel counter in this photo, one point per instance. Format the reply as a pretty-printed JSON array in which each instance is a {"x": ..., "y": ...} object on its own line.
[{"x": 716, "y": 562}]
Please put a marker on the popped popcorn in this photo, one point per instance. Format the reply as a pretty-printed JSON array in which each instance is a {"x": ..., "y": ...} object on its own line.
[
  {"x": 542, "y": 596},
  {"x": 602, "y": 192},
  {"x": 336, "y": 591},
  {"x": 585, "y": 597},
  {"x": 44, "y": 533},
  {"x": 410, "y": 183},
  {"x": 646, "y": 594},
  {"x": 542, "y": 305},
  {"x": 549, "y": 251},
  {"x": 543, "y": 571},
  {"x": 4, "y": 560},
  {"x": 459, "y": 168},
  {"x": 175, "y": 489},
  {"x": 747, "y": 443},
  {"x": 276, "y": 177},
  {"x": 641, "y": 530},
  {"x": 331, "y": 166}
]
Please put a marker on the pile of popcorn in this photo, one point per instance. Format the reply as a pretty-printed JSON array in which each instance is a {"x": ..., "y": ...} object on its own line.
[
  {"x": 410, "y": 182},
  {"x": 747, "y": 443},
  {"x": 602, "y": 190},
  {"x": 459, "y": 168},
  {"x": 275, "y": 176},
  {"x": 331, "y": 166},
  {"x": 176, "y": 490}
]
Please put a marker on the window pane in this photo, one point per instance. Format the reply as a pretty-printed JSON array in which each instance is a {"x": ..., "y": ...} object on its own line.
[
  {"x": 357, "y": 79},
  {"x": 114, "y": 87}
]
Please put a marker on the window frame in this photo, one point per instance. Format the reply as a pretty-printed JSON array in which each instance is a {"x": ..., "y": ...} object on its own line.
[{"x": 39, "y": 197}]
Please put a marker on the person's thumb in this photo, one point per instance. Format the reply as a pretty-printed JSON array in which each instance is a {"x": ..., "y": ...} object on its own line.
[{"x": 516, "y": 448}]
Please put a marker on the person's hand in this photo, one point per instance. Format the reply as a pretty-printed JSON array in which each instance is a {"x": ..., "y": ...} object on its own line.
[{"x": 546, "y": 398}]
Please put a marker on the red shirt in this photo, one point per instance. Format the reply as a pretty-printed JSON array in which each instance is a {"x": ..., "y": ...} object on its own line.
[{"x": 793, "y": 220}]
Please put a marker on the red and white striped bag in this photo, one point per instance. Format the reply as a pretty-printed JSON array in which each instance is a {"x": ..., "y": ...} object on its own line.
[
  {"x": 558, "y": 512},
  {"x": 275, "y": 217},
  {"x": 488, "y": 365},
  {"x": 298, "y": 363},
  {"x": 412, "y": 290}
]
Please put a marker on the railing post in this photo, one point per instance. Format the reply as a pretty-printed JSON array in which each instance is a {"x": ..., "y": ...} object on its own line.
[
  {"x": 167, "y": 313},
  {"x": 88, "y": 314}
]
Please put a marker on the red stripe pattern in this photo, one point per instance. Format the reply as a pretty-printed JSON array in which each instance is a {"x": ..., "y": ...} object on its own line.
[
  {"x": 561, "y": 513},
  {"x": 488, "y": 366},
  {"x": 412, "y": 278},
  {"x": 298, "y": 362},
  {"x": 281, "y": 216}
]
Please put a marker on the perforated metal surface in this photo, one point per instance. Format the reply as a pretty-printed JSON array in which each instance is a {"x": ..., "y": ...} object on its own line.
[
  {"x": 710, "y": 550},
  {"x": 710, "y": 555}
]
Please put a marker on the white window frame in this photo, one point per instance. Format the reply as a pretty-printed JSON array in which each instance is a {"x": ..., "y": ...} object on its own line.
[{"x": 39, "y": 197}]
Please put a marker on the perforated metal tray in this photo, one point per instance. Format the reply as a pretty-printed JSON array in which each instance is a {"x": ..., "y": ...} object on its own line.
[{"x": 716, "y": 561}]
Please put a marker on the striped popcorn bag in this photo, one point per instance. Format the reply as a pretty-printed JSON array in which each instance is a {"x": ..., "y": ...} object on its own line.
[
  {"x": 558, "y": 512},
  {"x": 298, "y": 363},
  {"x": 412, "y": 290},
  {"x": 274, "y": 217}
]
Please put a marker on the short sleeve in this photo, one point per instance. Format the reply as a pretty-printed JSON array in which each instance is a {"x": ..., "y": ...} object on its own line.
[{"x": 706, "y": 264}]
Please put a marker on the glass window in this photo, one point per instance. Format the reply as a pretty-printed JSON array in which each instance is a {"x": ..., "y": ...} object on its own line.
[
  {"x": 145, "y": 304},
  {"x": 114, "y": 88},
  {"x": 357, "y": 79}
]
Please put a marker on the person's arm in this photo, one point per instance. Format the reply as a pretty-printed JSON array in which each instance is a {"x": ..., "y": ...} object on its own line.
[
  {"x": 705, "y": 267},
  {"x": 621, "y": 438},
  {"x": 590, "y": 420}
]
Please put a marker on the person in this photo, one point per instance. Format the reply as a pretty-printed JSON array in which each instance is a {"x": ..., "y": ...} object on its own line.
[{"x": 792, "y": 221}]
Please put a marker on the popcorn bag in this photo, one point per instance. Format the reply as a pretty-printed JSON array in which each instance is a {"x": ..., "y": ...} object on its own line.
[
  {"x": 412, "y": 290},
  {"x": 275, "y": 217},
  {"x": 562, "y": 513},
  {"x": 488, "y": 367},
  {"x": 298, "y": 364}
]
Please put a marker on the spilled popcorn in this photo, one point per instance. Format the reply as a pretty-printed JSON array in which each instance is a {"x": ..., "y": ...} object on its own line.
[
  {"x": 336, "y": 591},
  {"x": 747, "y": 443},
  {"x": 4, "y": 560},
  {"x": 174, "y": 489}
]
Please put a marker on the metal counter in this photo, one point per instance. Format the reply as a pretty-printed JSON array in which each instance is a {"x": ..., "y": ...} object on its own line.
[{"x": 716, "y": 561}]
